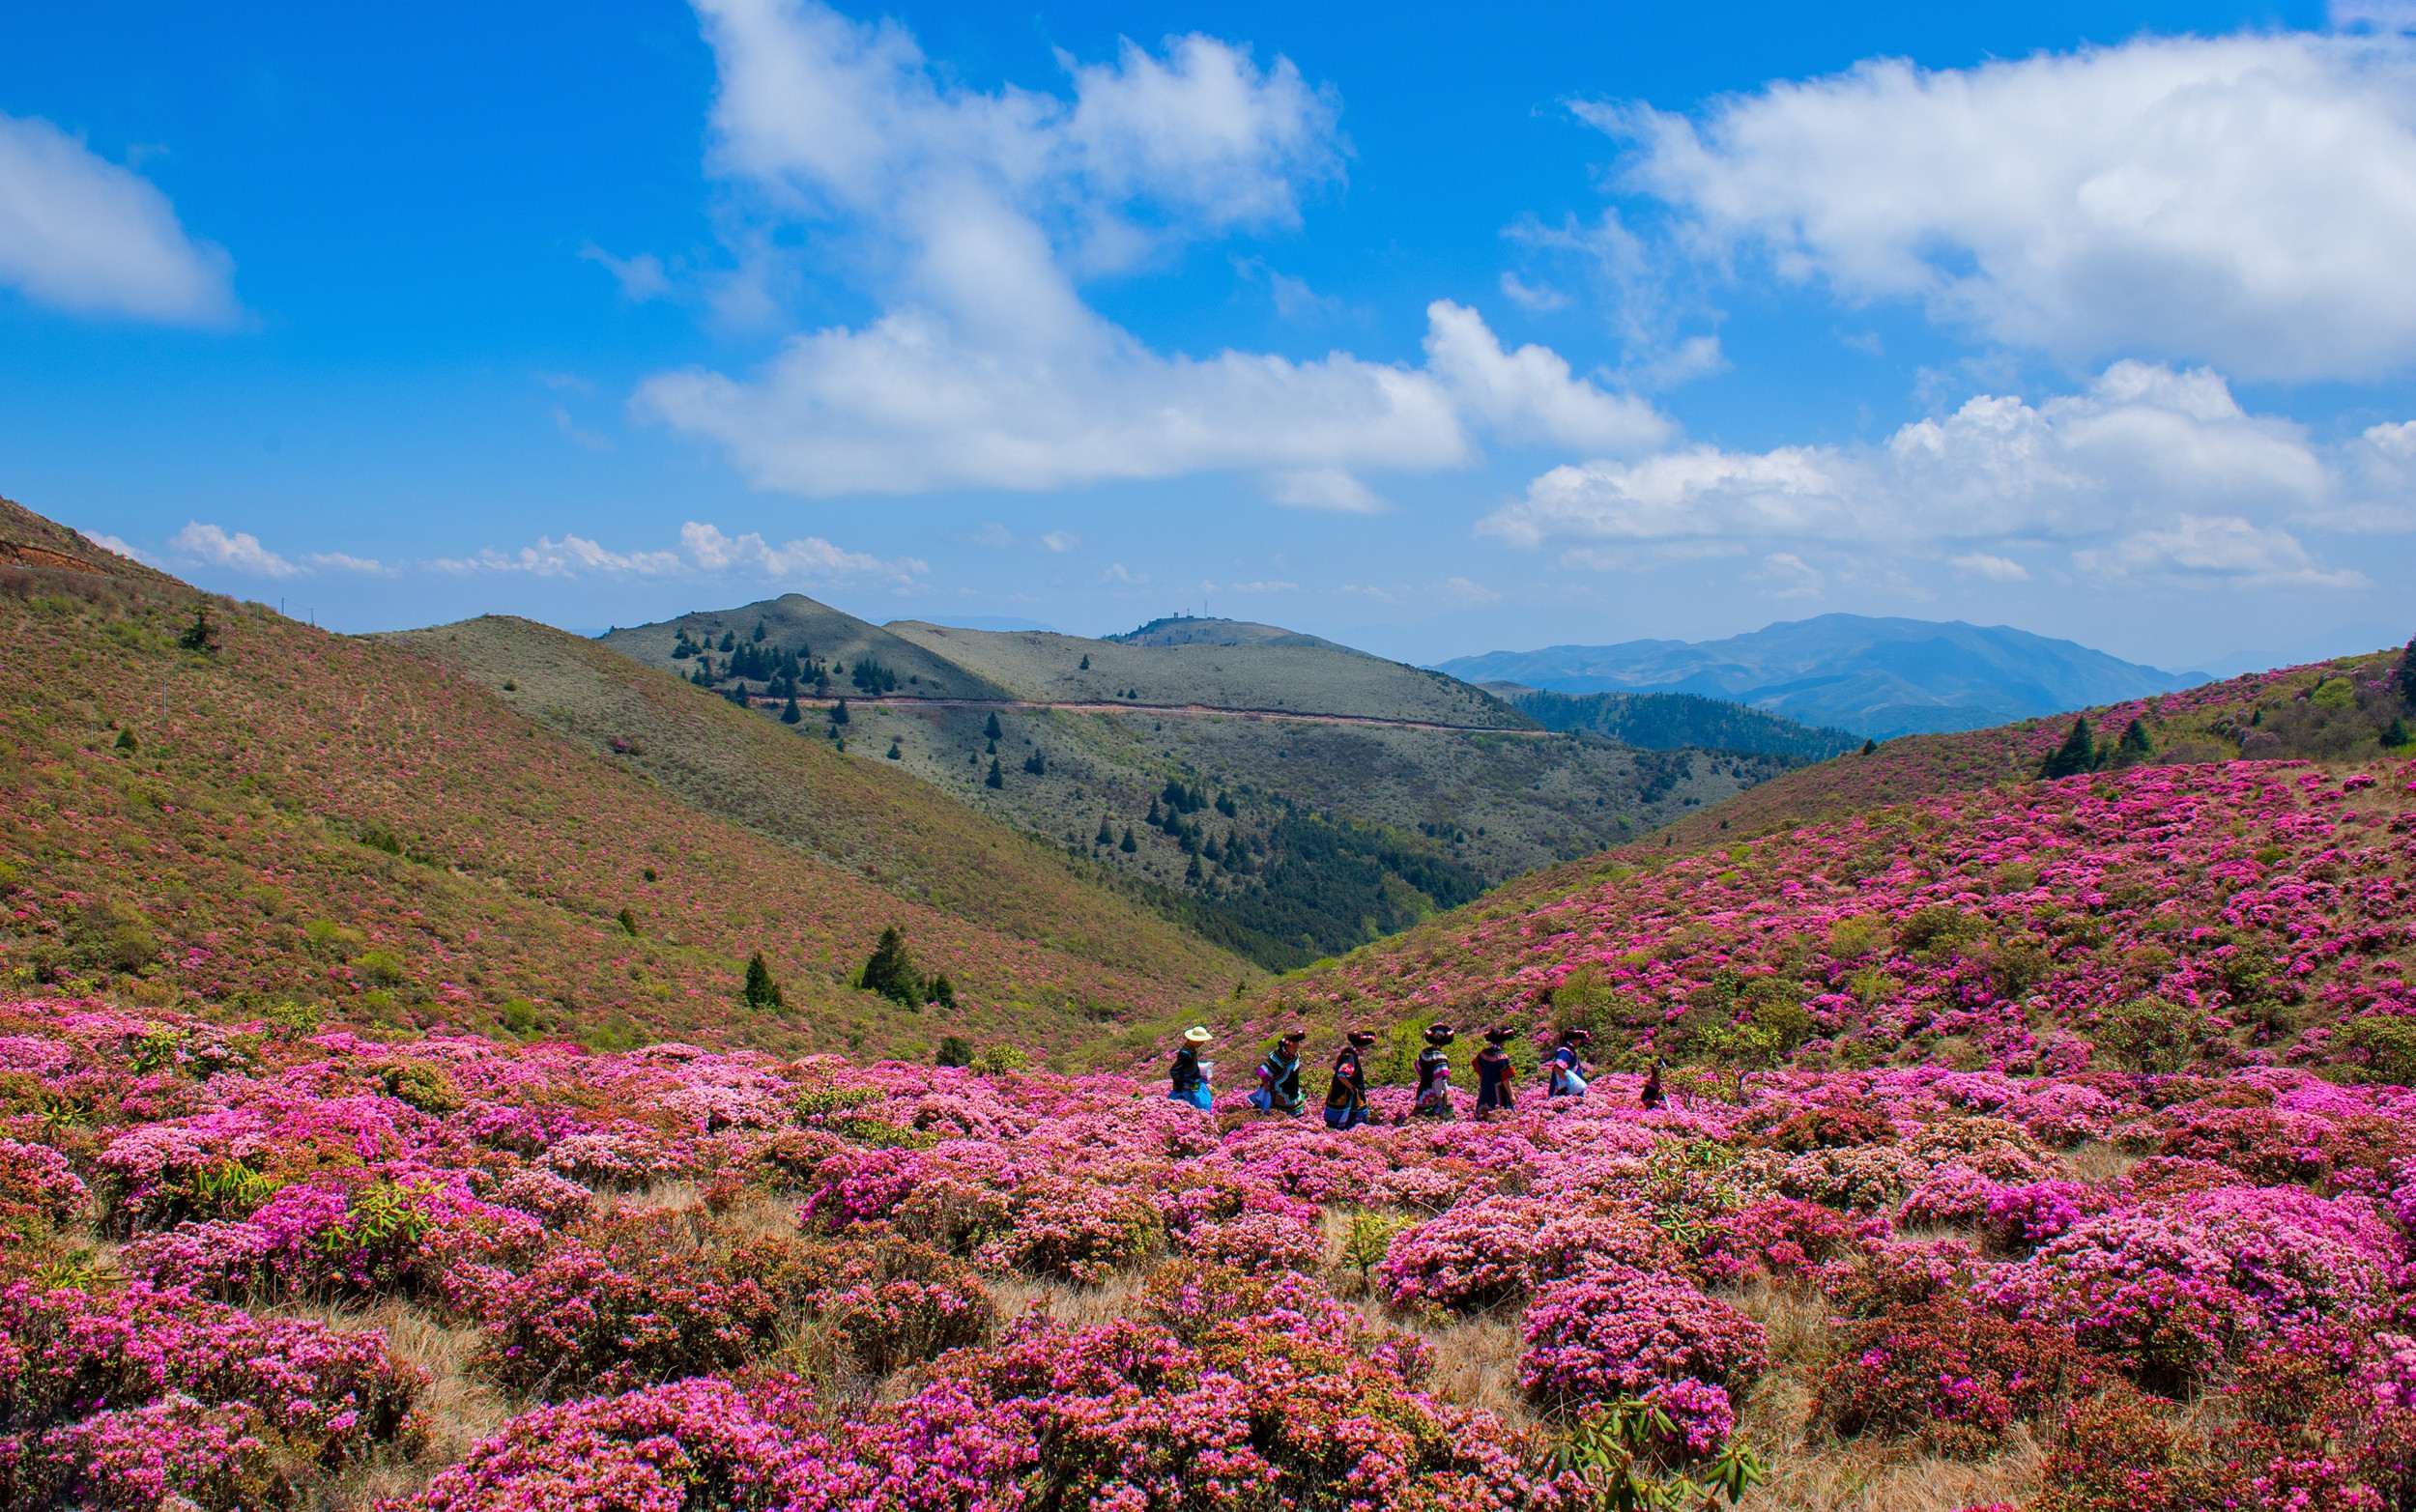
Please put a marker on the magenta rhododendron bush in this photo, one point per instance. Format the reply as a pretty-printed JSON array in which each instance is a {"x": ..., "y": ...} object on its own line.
[{"x": 1923, "y": 1177}]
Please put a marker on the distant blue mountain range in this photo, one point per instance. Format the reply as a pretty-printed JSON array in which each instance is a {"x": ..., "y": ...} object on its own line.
[{"x": 1875, "y": 678}]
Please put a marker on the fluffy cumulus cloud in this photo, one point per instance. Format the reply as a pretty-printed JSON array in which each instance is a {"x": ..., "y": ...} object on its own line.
[
  {"x": 968, "y": 219},
  {"x": 705, "y": 551},
  {"x": 238, "y": 551},
  {"x": 2248, "y": 200},
  {"x": 2148, "y": 471},
  {"x": 81, "y": 233}
]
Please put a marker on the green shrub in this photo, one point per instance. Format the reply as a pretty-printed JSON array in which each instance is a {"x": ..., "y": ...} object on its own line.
[
  {"x": 383, "y": 967},
  {"x": 2148, "y": 1033}
]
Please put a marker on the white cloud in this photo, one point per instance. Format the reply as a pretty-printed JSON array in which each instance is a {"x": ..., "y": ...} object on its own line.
[
  {"x": 1262, "y": 585},
  {"x": 338, "y": 561},
  {"x": 570, "y": 557},
  {"x": 994, "y": 535},
  {"x": 1325, "y": 487},
  {"x": 79, "y": 233},
  {"x": 579, "y": 433},
  {"x": 1117, "y": 573},
  {"x": 1793, "y": 577},
  {"x": 1996, "y": 569},
  {"x": 812, "y": 558},
  {"x": 112, "y": 543},
  {"x": 968, "y": 218},
  {"x": 2248, "y": 200},
  {"x": 2142, "y": 446},
  {"x": 241, "y": 552},
  {"x": 1060, "y": 540},
  {"x": 2222, "y": 548},
  {"x": 641, "y": 277}
]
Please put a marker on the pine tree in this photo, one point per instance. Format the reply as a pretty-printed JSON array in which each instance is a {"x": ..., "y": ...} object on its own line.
[
  {"x": 952, "y": 1051},
  {"x": 1035, "y": 765},
  {"x": 891, "y": 970},
  {"x": 1107, "y": 835},
  {"x": 758, "y": 631},
  {"x": 201, "y": 635},
  {"x": 2396, "y": 735},
  {"x": 992, "y": 729},
  {"x": 1192, "y": 874},
  {"x": 2076, "y": 755},
  {"x": 942, "y": 991},
  {"x": 761, "y": 991},
  {"x": 628, "y": 922},
  {"x": 895, "y": 754},
  {"x": 792, "y": 714},
  {"x": 2407, "y": 672},
  {"x": 2135, "y": 746},
  {"x": 1868, "y": 746},
  {"x": 1126, "y": 845},
  {"x": 730, "y": 640},
  {"x": 1085, "y": 664},
  {"x": 839, "y": 712},
  {"x": 997, "y": 778}
]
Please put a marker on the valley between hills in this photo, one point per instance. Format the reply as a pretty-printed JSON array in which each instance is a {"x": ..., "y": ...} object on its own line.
[{"x": 481, "y": 1068}]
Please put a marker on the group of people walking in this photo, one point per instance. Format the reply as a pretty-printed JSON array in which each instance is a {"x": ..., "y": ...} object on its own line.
[{"x": 1280, "y": 1074}]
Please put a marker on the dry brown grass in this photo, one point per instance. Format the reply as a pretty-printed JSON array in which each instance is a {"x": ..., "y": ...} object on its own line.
[
  {"x": 1076, "y": 1306},
  {"x": 459, "y": 1408},
  {"x": 1859, "y": 1478},
  {"x": 2101, "y": 1161}
]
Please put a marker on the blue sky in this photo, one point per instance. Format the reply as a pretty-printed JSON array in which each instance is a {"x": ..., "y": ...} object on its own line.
[{"x": 1436, "y": 331}]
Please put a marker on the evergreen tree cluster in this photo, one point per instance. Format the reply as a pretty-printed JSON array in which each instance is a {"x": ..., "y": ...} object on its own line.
[
  {"x": 2081, "y": 752},
  {"x": 784, "y": 673},
  {"x": 871, "y": 677},
  {"x": 891, "y": 973}
]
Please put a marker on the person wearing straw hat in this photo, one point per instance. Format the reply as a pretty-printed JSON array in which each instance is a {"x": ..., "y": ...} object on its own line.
[
  {"x": 1346, "y": 1095},
  {"x": 1434, "y": 1074},
  {"x": 1187, "y": 1074},
  {"x": 1494, "y": 1072},
  {"x": 1278, "y": 1078}
]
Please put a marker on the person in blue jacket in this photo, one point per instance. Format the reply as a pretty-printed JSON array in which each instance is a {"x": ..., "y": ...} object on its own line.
[
  {"x": 1568, "y": 1073},
  {"x": 1189, "y": 1078}
]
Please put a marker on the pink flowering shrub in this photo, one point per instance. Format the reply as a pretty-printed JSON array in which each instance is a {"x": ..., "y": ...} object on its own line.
[
  {"x": 1954, "y": 1376},
  {"x": 1497, "y": 1249},
  {"x": 619, "y": 1303},
  {"x": 1781, "y": 1237},
  {"x": 1611, "y": 1330},
  {"x": 97, "y": 1387}
]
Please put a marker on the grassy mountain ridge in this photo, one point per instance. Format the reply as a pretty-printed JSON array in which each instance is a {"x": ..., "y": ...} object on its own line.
[
  {"x": 298, "y": 818},
  {"x": 1277, "y": 836},
  {"x": 866, "y": 818},
  {"x": 1305, "y": 679}
]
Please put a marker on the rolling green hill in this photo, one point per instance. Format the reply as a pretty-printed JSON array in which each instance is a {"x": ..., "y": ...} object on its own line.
[
  {"x": 267, "y": 815},
  {"x": 1282, "y": 796},
  {"x": 1269, "y": 676},
  {"x": 1675, "y": 721}
]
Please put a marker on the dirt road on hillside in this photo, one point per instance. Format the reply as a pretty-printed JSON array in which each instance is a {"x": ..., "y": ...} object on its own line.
[{"x": 1162, "y": 710}]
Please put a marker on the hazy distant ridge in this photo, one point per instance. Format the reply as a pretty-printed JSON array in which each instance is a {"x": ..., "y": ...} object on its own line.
[{"x": 1869, "y": 677}]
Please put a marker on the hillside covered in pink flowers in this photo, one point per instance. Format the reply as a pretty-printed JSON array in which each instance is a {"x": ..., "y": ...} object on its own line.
[
  {"x": 246, "y": 1268},
  {"x": 2155, "y": 919}
]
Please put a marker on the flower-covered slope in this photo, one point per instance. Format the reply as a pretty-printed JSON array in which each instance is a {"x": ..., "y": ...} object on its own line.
[
  {"x": 2150, "y": 918},
  {"x": 676, "y": 1279},
  {"x": 2332, "y": 711},
  {"x": 279, "y": 814}
]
